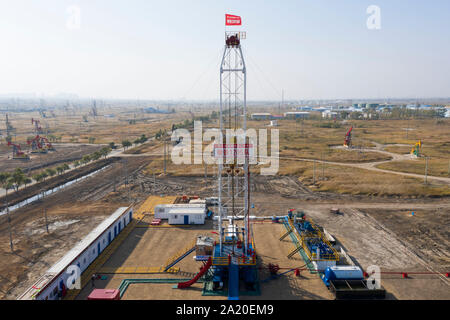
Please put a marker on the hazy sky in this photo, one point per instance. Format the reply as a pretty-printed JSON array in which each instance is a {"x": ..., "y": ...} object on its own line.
[{"x": 144, "y": 49}]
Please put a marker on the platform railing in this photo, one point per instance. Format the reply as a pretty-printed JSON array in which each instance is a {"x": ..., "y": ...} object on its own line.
[
  {"x": 220, "y": 261},
  {"x": 180, "y": 253},
  {"x": 246, "y": 261}
]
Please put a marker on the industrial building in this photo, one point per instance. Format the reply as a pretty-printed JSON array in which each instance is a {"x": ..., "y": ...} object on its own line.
[
  {"x": 328, "y": 114},
  {"x": 297, "y": 114},
  {"x": 189, "y": 213},
  {"x": 261, "y": 116},
  {"x": 53, "y": 284}
]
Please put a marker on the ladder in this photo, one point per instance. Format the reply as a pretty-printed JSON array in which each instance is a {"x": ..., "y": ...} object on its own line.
[
  {"x": 285, "y": 234},
  {"x": 297, "y": 249}
]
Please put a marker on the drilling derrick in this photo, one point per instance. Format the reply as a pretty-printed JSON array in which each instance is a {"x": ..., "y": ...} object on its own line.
[
  {"x": 233, "y": 173},
  {"x": 234, "y": 257}
]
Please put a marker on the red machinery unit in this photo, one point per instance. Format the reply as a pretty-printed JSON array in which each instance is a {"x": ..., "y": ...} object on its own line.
[
  {"x": 17, "y": 152},
  {"x": 37, "y": 126},
  {"x": 36, "y": 145},
  {"x": 348, "y": 138},
  {"x": 47, "y": 143}
]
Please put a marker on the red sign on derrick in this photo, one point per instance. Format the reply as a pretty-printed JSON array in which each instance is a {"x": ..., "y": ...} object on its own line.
[{"x": 231, "y": 20}]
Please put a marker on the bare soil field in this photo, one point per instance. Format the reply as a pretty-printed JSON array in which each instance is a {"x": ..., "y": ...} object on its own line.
[
  {"x": 271, "y": 195},
  {"x": 72, "y": 213},
  {"x": 375, "y": 227}
]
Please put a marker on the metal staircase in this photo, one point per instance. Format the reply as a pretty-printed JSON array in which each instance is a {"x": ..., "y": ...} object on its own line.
[{"x": 180, "y": 256}]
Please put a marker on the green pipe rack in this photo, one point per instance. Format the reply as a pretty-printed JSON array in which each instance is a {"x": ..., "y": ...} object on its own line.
[
  {"x": 126, "y": 282},
  {"x": 305, "y": 258}
]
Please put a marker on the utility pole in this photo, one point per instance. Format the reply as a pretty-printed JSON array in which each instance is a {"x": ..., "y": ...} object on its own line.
[
  {"x": 165, "y": 156},
  {"x": 407, "y": 129},
  {"x": 46, "y": 221},
  {"x": 125, "y": 170},
  {"x": 323, "y": 169},
  {"x": 314, "y": 172},
  {"x": 9, "y": 223},
  {"x": 426, "y": 169}
]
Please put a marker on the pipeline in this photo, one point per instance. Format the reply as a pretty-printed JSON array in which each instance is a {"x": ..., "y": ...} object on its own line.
[
  {"x": 446, "y": 274},
  {"x": 251, "y": 217},
  {"x": 126, "y": 282}
]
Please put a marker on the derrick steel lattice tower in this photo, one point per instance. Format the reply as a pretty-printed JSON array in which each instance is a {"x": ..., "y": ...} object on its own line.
[{"x": 233, "y": 169}]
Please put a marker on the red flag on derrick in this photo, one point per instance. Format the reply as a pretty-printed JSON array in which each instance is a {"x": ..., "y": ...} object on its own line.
[{"x": 231, "y": 20}]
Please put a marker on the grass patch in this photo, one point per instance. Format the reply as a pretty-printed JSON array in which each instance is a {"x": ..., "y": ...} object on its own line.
[
  {"x": 355, "y": 181},
  {"x": 436, "y": 167}
]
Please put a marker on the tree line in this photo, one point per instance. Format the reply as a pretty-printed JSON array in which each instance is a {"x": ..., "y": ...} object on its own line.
[{"x": 17, "y": 178}]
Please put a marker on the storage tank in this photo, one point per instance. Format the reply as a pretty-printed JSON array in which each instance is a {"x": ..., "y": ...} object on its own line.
[{"x": 343, "y": 273}]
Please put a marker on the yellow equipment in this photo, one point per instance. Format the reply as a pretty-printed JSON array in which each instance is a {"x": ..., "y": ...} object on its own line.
[{"x": 416, "y": 149}]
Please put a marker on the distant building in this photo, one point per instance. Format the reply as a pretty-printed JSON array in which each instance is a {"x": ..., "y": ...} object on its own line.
[
  {"x": 261, "y": 116},
  {"x": 153, "y": 110},
  {"x": 328, "y": 114},
  {"x": 277, "y": 116},
  {"x": 304, "y": 108},
  {"x": 297, "y": 114}
]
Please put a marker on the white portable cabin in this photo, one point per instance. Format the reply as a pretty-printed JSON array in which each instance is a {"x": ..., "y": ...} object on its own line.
[
  {"x": 187, "y": 215},
  {"x": 51, "y": 284},
  {"x": 162, "y": 210},
  {"x": 197, "y": 201}
]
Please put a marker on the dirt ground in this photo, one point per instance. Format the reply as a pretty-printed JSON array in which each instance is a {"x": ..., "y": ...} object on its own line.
[
  {"x": 391, "y": 246},
  {"x": 373, "y": 230},
  {"x": 152, "y": 247},
  {"x": 286, "y": 287},
  {"x": 72, "y": 213}
]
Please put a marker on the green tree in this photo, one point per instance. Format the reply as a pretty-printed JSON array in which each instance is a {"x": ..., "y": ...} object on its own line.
[
  {"x": 96, "y": 155},
  {"x": 126, "y": 144},
  {"x": 38, "y": 177},
  {"x": 50, "y": 172},
  {"x": 26, "y": 181},
  {"x": 4, "y": 176},
  {"x": 17, "y": 178},
  {"x": 44, "y": 175},
  {"x": 85, "y": 159},
  {"x": 60, "y": 169},
  {"x": 105, "y": 151},
  {"x": 112, "y": 145},
  {"x": 5, "y": 183}
]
